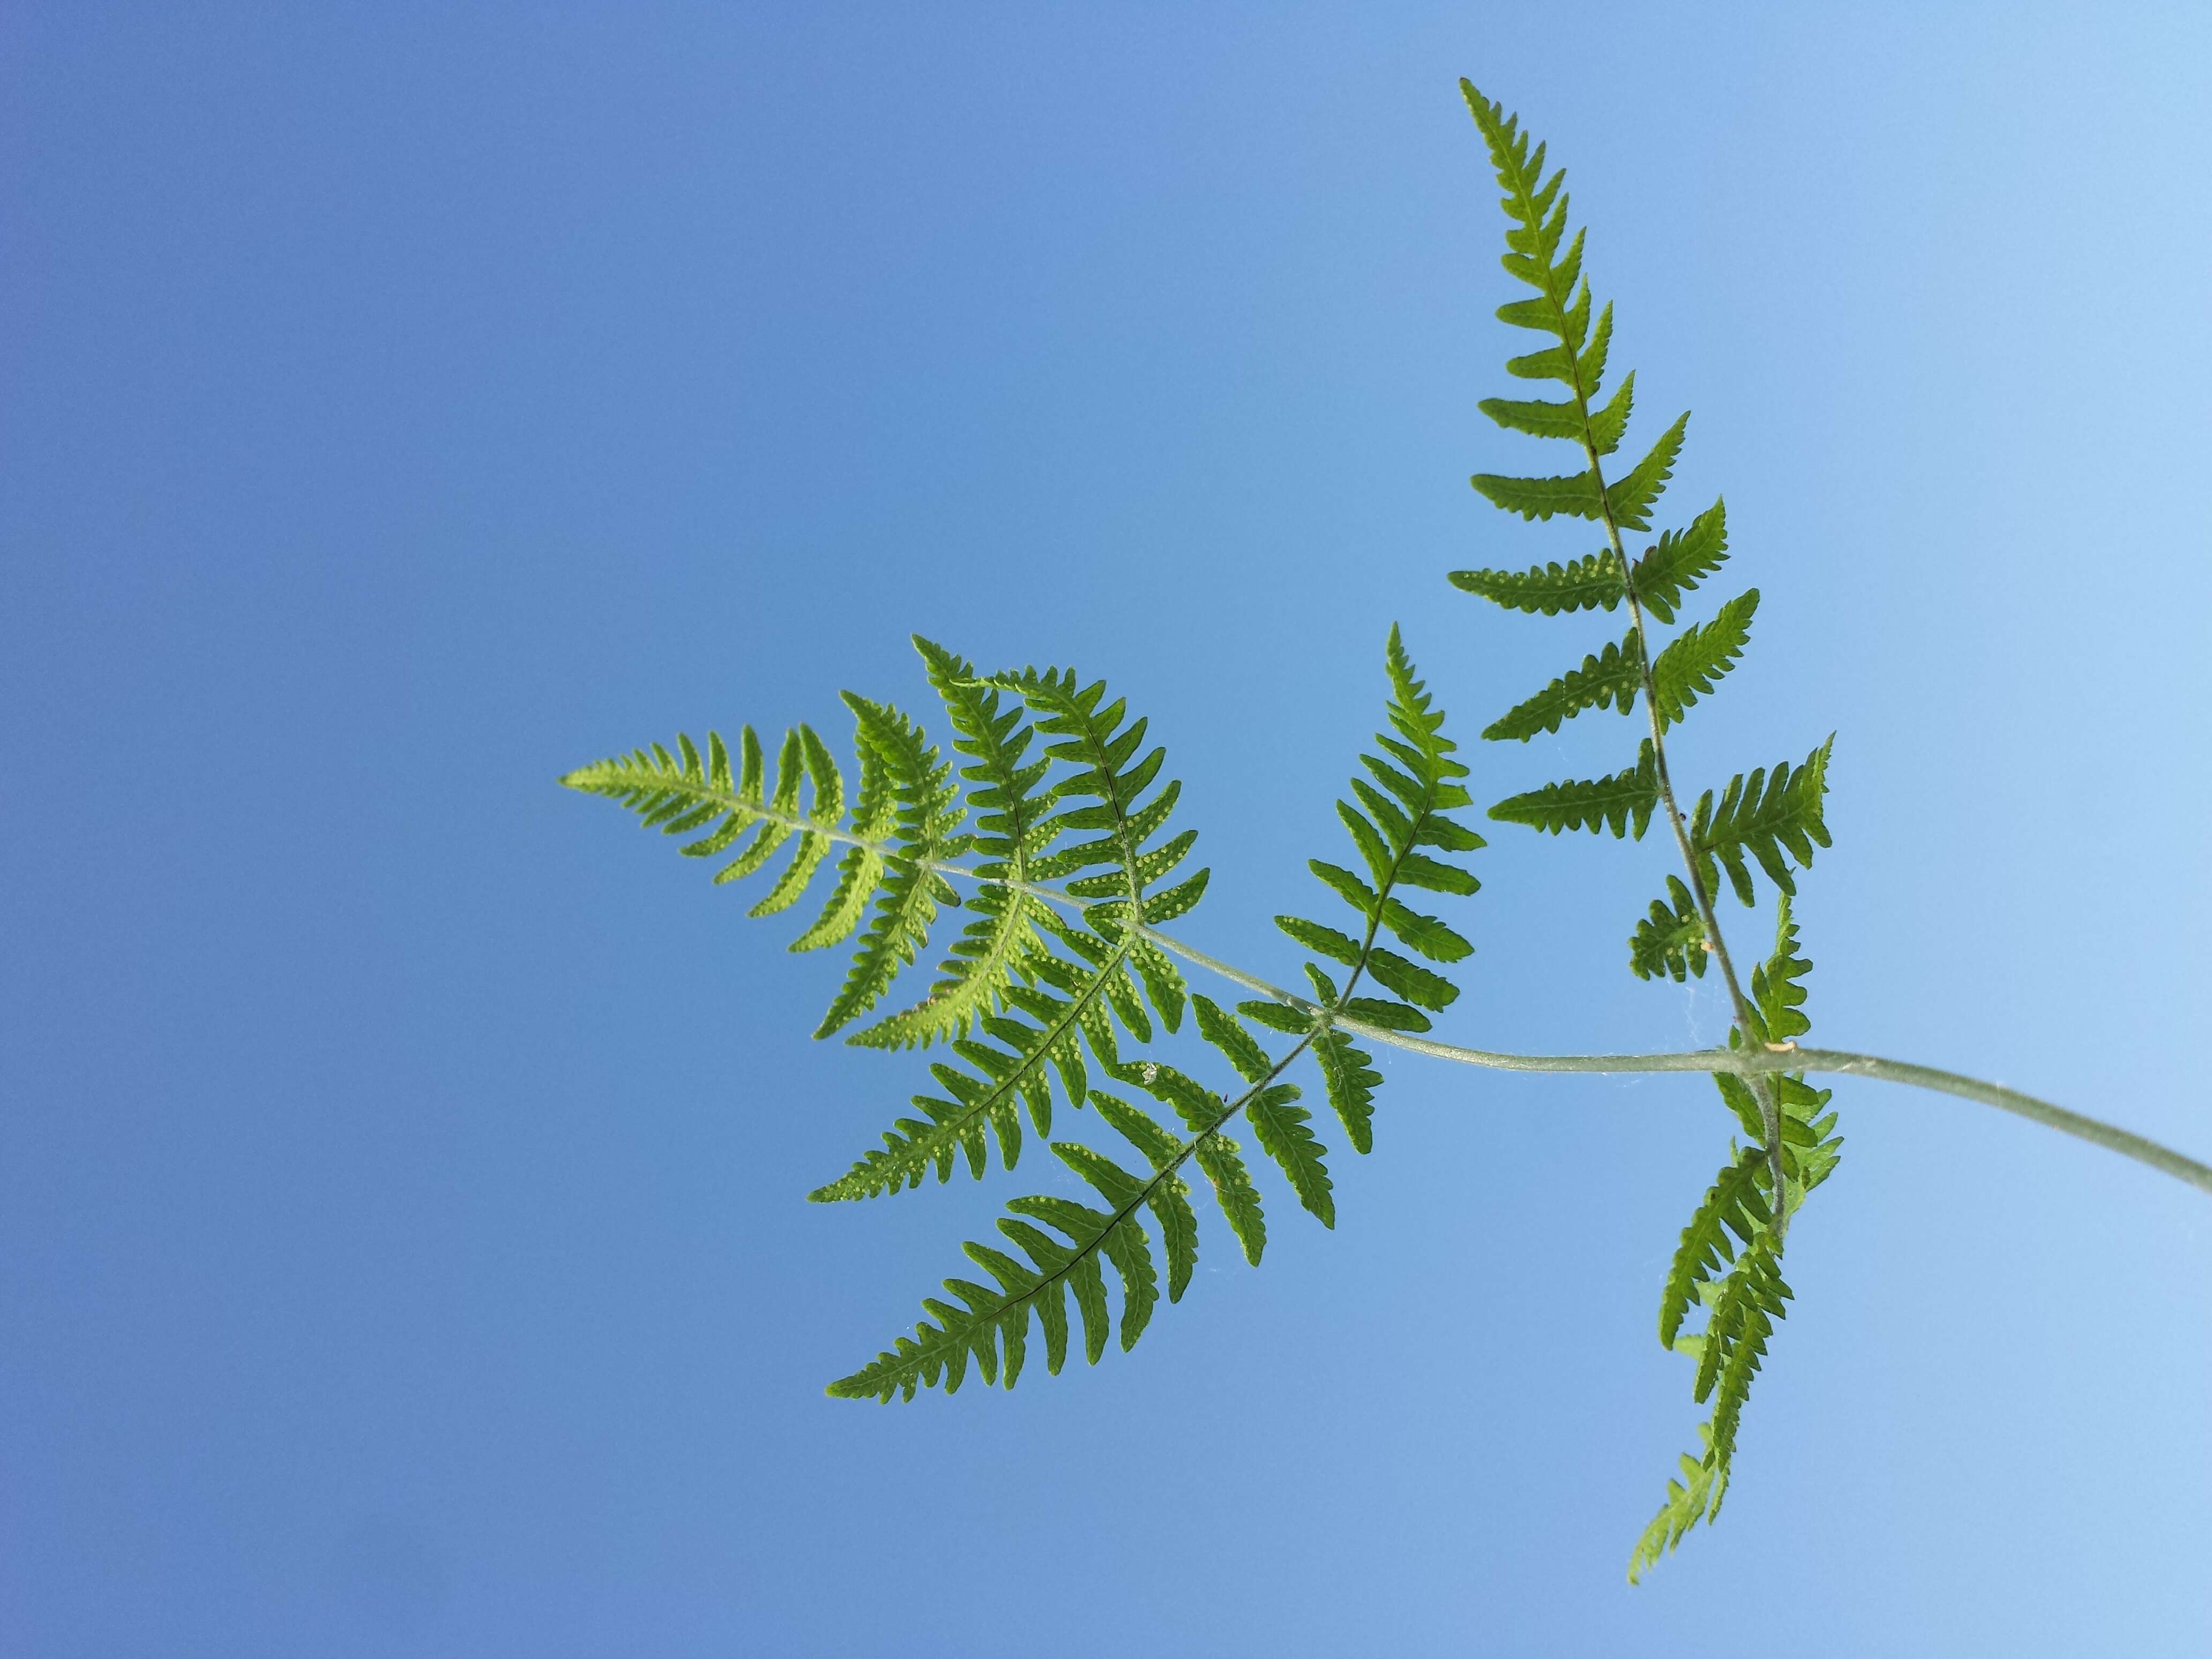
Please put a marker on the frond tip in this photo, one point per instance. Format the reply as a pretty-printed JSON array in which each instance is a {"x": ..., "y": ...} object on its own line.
[
  {"x": 1403, "y": 805},
  {"x": 1695, "y": 1496},
  {"x": 721, "y": 799}
]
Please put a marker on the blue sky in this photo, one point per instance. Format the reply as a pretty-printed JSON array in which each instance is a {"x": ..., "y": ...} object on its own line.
[{"x": 403, "y": 1244}]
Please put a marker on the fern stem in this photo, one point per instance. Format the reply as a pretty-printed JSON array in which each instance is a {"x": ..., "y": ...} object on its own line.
[
  {"x": 1754, "y": 1063},
  {"x": 1770, "y": 1110}
]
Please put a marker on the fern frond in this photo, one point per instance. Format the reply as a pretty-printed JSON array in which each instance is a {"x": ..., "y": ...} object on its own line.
[
  {"x": 1280, "y": 1124},
  {"x": 991, "y": 950},
  {"x": 1694, "y": 661},
  {"x": 1061, "y": 1006},
  {"x": 1590, "y": 582},
  {"x": 992, "y": 1321},
  {"x": 1735, "y": 1204},
  {"x": 1689, "y": 1500},
  {"x": 1004, "y": 793},
  {"x": 1576, "y": 495},
  {"x": 1811, "y": 1148},
  {"x": 1537, "y": 208},
  {"x": 1610, "y": 424},
  {"x": 861, "y": 870},
  {"x": 1778, "y": 987},
  {"x": 989, "y": 1327},
  {"x": 1774, "y": 818},
  {"x": 1238, "y": 1046},
  {"x": 1743, "y": 1306},
  {"x": 1103, "y": 746},
  {"x": 1672, "y": 939},
  {"x": 1349, "y": 1075},
  {"x": 1538, "y": 417},
  {"x": 926, "y": 814},
  {"x": 1623, "y": 802},
  {"x": 1680, "y": 560},
  {"x": 1415, "y": 787},
  {"x": 682, "y": 793},
  {"x": 1221, "y": 1160},
  {"x": 1170, "y": 1198},
  {"x": 1204, "y": 1113},
  {"x": 1610, "y": 679},
  {"x": 1419, "y": 788},
  {"x": 1741, "y": 1324},
  {"x": 1630, "y": 498}
]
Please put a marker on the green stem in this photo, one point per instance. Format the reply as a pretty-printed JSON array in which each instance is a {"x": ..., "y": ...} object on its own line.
[{"x": 1753, "y": 1062}]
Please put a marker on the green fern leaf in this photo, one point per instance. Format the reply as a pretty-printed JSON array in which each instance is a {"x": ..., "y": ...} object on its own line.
[
  {"x": 1623, "y": 802},
  {"x": 1680, "y": 560},
  {"x": 1434, "y": 875},
  {"x": 1610, "y": 679},
  {"x": 1419, "y": 788},
  {"x": 1427, "y": 934},
  {"x": 1689, "y": 1500},
  {"x": 1693, "y": 663},
  {"x": 1280, "y": 1128},
  {"x": 989, "y": 952},
  {"x": 1242, "y": 1050},
  {"x": 1337, "y": 947},
  {"x": 684, "y": 792},
  {"x": 1389, "y": 1015},
  {"x": 1774, "y": 818},
  {"x": 943, "y": 1342},
  {"x": 1099, "y": 740},
  {"x": 861, "y": 872},
  {"x": 1233, "y": 1190},
  {"x": 771, "y": 824},
  {"x": 1733, "y": 1204},
  {"x": 1631, "y": 499},
  {"x": 1162, "y": 1148},
  {"x": 927, "y": 814},
  {"x": 1409, "y": 980},
  {"x": 1049, "y": 1019},
  {"x": 1610, "y": 423},
  {"x": 1064, "y": 1007},
  {"x": 1539, "y": 417},
  {"x": 1350, "y": 1078},
  {"x": 1589, "y": 583},
  {"x": 1576, "y": 495},
  {"x": 827, "y": 806},
  {"x": 1777, "y": 988},
  {"x": 1201, "y": 1110},
  {"x": 1742, "y": 1324},
  {"x": 1163, "y": 982},
  {"x": 1004, "y": 793},
  {"x": 1811, "y": 1148},
  {"x": 1590, "y": 367},
  {"x": 1671, "y": 940},
  {"x": 1348, "y": 887},
  {"x": 1170, "y": 1202},
  {"x": 1277, "y": 1016}
]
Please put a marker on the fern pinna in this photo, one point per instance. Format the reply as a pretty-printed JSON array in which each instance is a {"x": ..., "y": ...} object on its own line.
[
  {"x": 1046, "y": 984},
  {"x": 1774, "y": 820},
  {"x": 1050, "y": 828}
]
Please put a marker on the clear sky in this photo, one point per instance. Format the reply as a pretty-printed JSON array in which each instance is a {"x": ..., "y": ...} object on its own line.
[{"x": 403, "y": 1242}]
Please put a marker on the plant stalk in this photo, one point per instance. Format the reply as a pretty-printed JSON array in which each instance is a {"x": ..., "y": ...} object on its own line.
[{"x": 1752, "y": 1062}]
